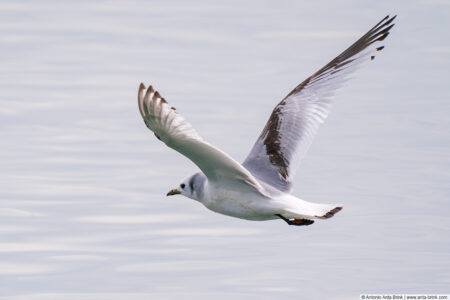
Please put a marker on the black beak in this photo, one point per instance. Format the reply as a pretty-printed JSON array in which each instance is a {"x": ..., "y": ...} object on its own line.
[{"x": 173, "y": 192}]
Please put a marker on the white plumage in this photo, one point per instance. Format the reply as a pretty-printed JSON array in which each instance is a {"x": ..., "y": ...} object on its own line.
[{"x": 259, "y": 189}]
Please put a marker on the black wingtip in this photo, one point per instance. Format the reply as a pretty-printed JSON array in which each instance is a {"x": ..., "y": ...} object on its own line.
[{"x": 383, "y": 36}]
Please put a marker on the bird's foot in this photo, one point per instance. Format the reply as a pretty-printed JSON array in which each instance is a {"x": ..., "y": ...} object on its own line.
[{"x": 297, "y": 222}]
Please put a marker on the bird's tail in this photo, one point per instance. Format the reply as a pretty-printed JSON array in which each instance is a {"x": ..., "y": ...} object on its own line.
[
  {"x": 325, "y": 211},
  {"x": 308, "y": 210}
]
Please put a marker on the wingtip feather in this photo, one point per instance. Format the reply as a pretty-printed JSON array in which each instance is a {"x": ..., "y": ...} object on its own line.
[
  {"x": 141, "y": 90},
  {"x": 140, "y": 96},
  {"x": 145, "y": 101}
]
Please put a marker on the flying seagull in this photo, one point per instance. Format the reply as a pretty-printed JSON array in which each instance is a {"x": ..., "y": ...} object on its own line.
[{"x": 260, "y": 188}]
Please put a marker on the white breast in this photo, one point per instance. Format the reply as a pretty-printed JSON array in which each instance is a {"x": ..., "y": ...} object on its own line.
[{"x": 238, "y": 201}]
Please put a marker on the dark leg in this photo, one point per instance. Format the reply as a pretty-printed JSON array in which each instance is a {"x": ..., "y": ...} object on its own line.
[
  {"x": 297, "y": 222},
  {"x": 300, "y": 222},
  {"x": 283, "y": 218}
]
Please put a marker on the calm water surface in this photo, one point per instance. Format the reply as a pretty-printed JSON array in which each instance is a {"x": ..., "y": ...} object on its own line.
[{"x": 83, "y": 212}]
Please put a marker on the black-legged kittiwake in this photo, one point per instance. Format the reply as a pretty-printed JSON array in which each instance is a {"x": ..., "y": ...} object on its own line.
[{"x": 260, "y": 188}]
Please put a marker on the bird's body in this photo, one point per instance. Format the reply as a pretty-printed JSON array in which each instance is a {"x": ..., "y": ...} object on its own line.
[
  {"x": 260, "y": 188},
  {"x": 252, "y": 206},
  {"x": 238, "y": 201},
  {"x": 241, "y": 200}
]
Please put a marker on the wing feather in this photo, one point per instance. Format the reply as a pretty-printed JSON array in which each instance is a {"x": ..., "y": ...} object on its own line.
[
  {"x": 172, "y": 129},
  {"x": 295, "y": 120}
]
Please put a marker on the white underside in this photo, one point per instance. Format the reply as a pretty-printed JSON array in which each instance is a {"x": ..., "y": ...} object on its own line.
[{"x": 251, "y": 205}]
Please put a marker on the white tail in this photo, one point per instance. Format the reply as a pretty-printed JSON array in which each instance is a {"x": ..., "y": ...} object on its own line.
[{"x": 301, "y": 209}]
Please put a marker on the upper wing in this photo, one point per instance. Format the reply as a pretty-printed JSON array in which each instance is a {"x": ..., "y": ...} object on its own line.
[
  {"x": 295, "y": 120},
  {"x": 171, "y": 128}
]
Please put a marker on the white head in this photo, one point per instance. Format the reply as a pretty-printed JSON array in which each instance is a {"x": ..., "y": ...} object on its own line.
[{"x": 191, "y": 187}]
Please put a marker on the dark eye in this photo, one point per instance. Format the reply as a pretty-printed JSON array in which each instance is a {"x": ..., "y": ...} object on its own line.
[{"x": 182, "y": 185}]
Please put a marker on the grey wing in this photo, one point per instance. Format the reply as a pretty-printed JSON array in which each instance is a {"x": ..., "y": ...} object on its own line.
[{"x": 295, "y": 120}]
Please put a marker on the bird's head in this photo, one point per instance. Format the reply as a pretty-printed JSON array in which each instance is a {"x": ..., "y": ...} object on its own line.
[{"x": 191, "y": 187}]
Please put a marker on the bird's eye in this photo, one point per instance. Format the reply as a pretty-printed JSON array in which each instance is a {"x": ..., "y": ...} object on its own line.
[{"x": 182, "y": 185}]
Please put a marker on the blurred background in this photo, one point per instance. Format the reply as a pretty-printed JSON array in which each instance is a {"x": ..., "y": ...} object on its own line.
[{"x": 83, "y": 211}]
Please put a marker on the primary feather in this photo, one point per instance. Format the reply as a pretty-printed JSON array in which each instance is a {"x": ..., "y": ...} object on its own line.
[{"x": 295, "y": 120}]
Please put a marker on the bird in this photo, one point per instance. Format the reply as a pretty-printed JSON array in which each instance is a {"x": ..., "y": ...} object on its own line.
[{"x": 260, "y": 188}]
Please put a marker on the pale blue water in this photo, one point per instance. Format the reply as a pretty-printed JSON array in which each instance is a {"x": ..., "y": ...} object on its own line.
[{"x": 83, "y": 212}]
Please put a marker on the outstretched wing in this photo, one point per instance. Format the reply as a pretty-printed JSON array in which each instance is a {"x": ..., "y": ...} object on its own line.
[
  {"x": 295, "y": 120},
  {"x": 171, "y": 128}
]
